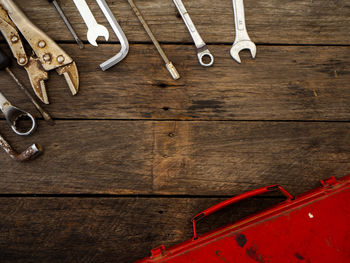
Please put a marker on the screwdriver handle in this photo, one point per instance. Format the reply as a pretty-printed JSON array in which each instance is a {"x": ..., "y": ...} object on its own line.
[{"x": 5, "y": 60}]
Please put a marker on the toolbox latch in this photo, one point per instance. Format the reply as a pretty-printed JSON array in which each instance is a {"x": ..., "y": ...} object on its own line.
[{"x": 158, "y": 251}]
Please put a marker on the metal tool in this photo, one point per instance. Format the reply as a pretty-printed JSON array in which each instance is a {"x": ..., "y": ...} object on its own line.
[
  {"x": 14, "y": 114},
  {"x": 119, "y": 33},
  {"x": 68, "y": 24},
  {"x": 5, "y": 63},
  {"x": 95, "y": 30},
  {"x": 48, "y": 55},
  {"x": 242, "y": 40},
  {"x": 202, "y": 49},
  {"x": 31, "y": 152},
  {"x": 169, "y": 65}
]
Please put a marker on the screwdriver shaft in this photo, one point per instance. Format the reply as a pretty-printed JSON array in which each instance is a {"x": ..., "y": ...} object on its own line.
[
  {"x": 45, "y": 115},
  {"x": 68, "y": 24},
  {"x": 161, "y": 52}
]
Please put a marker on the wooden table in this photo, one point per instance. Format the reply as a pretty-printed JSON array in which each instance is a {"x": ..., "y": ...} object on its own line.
[{"x": 135, "y": 154}]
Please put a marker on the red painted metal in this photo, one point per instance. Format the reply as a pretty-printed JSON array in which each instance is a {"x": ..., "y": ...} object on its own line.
[{"x": 313, "y": 227}]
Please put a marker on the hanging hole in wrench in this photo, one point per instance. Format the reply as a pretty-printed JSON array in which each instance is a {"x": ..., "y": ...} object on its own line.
[
  {"x": 23, "y": 124},
  {"x": 206, "y": 59}
]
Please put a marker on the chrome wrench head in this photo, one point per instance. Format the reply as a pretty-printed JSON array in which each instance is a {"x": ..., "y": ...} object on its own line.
[
  {"x": 205, "y": 53},
  {"x": 14, "y": 115},
  {"x": 242, "y": 40},
  {"x": 239, "y": 46},
  {"x": 95, "y": 32}
]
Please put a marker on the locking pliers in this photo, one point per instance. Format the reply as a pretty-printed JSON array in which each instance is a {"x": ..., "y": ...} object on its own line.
[{"x": 47, "y": 54}]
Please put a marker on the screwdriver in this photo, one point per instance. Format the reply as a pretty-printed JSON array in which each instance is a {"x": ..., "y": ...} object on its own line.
[
  {"x": 68, "y": 24},
  {"x": 5, "y": 63}
]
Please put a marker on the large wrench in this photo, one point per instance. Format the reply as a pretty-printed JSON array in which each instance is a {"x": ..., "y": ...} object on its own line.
[
  {"x": 95, "y": 30},
  {"x": 202, "y": 49},
  {"x": 242, "y": 40}
]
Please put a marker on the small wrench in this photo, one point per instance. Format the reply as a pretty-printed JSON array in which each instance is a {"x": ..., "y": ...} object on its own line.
[
  {"x": 95, "y": 30},
  {"x": 202, "y": 49},
  {"x": 13, "y": 114},
  {"x": 242, "y": 40}
]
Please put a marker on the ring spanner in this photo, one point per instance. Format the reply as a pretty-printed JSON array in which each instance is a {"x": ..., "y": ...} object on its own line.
[
  {"x": 13, "y": 114},
  {"x": 202, "y": 49},
  {"x": 242, "y": 40},
  {"x": 119, "y": 33}
]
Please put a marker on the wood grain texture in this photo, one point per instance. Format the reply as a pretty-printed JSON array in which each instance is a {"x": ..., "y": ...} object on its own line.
[
  {"x": 268, "y": 21},
  {"x": 282, "y": 83},
  {"x": 191, "y": 158},
  {"x": 106, "y": 229}
]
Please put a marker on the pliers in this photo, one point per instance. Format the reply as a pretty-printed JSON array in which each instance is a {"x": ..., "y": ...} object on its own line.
[{"x": 47, "y": 54}]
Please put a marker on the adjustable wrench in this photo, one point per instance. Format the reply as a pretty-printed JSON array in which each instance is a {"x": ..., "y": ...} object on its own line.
[
  {"x": 242, "y": 40},
  {"x": 95, "y": 30},
  {"x": 202, "y": 50}
]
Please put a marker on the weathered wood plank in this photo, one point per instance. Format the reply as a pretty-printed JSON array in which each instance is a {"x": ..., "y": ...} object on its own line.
[
  {"x": 167, "y": 157},
  {"x": 82, "y": 157},
  {"x": 283, "y": 83},
  {"x": 105, "y": 229},
  {"x": 268, "y": 21}
]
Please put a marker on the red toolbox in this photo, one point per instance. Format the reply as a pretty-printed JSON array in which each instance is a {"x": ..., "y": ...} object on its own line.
[{"x": 313, "y": 227}]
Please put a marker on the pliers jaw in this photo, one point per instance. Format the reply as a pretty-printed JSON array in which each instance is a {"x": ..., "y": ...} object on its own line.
[{"x": 48, "y": 55}]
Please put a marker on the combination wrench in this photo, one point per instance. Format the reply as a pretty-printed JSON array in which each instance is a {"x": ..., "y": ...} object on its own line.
[
  {"x": 14, "y": 114},
  {"x": 95, "y": 30},
  {"x": 202, "y": 49},
  {"x": 242, "y": 40}
]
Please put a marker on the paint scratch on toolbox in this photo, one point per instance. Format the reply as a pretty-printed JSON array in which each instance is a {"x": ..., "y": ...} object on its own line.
[
  {"x": 241, "y": 239},
  {"x": 253, "y": 253},
  {"x": 218, "y": 252}
]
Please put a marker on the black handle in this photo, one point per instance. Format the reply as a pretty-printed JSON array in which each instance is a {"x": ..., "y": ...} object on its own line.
[{"x": 5, "y": 60}]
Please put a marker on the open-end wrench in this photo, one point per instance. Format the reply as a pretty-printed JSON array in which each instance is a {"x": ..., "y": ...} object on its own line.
[
  {"x": 202, "y": 49},
  {"x": 242, "y": 40},
  {"x": 95, "y": 30}
]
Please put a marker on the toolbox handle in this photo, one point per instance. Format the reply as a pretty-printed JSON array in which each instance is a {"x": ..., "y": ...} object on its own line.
[{"x": 235, "y": 199}]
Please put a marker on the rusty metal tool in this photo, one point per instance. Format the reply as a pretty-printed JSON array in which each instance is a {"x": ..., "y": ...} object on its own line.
[
  {"x": 169, "y": 65},
  {"x": 31, "y": 152},
  {"x": 118, "y": 32},
  {"x": 14, "y": 114},
  {"x": 47, "y": 54},
  {"x": 242, "y": 40},
  {"x": 95, "y": 30},
  {"x": 68, "y": 24},
  {"x": 5, "y": 65},
  {"x": 202, "y": 49}
]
